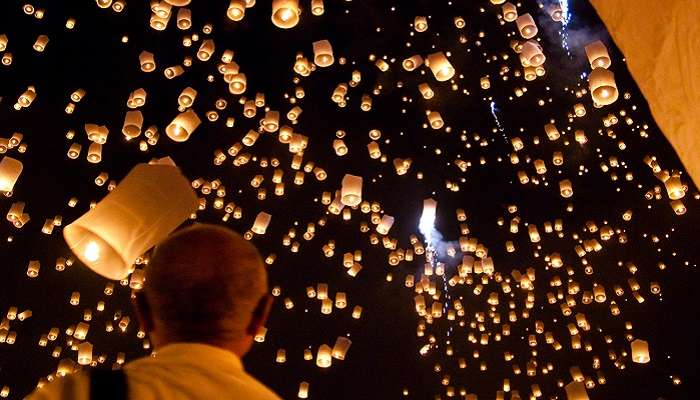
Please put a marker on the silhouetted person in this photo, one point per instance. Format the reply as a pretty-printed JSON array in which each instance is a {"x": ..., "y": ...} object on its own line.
[{"x": 204, "y": 298}]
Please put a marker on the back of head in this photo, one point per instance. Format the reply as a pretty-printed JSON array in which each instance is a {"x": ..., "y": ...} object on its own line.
[{"x": 203, "y": 284}]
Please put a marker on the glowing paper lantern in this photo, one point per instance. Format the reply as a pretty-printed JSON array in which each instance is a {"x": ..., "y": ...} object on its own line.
[
  {"x": 85, "y": 353},
  {"x": 323, "y": 357},
  {"x": 531, "y": 54},
  {"x": 576, "y": 391},
  {"x": 640, "y": 351},
  {"x": 132, "y": 124},
  {"x": 151, "y": 201},
  {"x": 341, "y": 347},
  {"x": 10, "y": 169},
  {"x": 526, "y": 26},
  {"x": 420, "y": 24},
  {"x": 285, "y": 13},
  {"x": 182, "y": 126},
  {"x": 147, "y": 61},
  {"x": 510, "y": 13},
  {"x": 597, "y": 55},
  {"x": 440, "y": 66},
  {"x": 317, "y": 7},
  {"x": 351, "y": 191},
  {"x": 323, "y": 53},
  {"x": 262, "y": 220},
  {"x": 385, "y": 224},
  {"x": 236, "y": 10},
  {"x": 603, "y": 87}
]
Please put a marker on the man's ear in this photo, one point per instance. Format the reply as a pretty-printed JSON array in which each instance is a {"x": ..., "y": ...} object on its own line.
[
  {"x": 143, "y": 311},
  {"x": 260, "y": 314}
]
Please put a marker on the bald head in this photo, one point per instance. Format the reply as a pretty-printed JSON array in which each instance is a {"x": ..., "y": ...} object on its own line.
[{"x": 203, "y": 284}]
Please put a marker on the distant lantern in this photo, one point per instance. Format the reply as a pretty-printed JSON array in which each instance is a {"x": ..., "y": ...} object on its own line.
[
  {"x": 426, "y": 91},
  {"x": 85, "y": 353},
  {"x": 385, "y": 224},
  {"x": 147, "y": 61},
  {"x": 186, "y": 97},
  {"x": 285, "y": 13},
  {"x": 94, "y": 155},
  {"x": 526, "y": 26},
  {"x": 317, "y": 7},
  {"x": 565, "y": 188},
  {"x": 420, "y": 24},
  {"x": 184, "y": 18},
  {"x": 440, "y": 66},
  {"x": 597, "y": 55},
  {"x": 149, "y": 203},
  {"x": 133, "y": 121},
  {"x": 40, "y": 43},
  {"x": 238, "y": 83},
  {"x": 531, "y": 54},
  {"x": 674, "y": 187},
  {"x": 236, "y": 10},
  {"x": 510, "y": 13},
  {"x": 182, "y": 126},
  {"x": 303, "y": 392},
  {"x": 262, "y": 220},
  {"x": 412, "y": 62},
  {"x": 351, "y": 192},
  {"x": 435, "y": 120},
  {"x": 206, "y": 50},
  {"x": 640, "y": 351},
  {"x": 323, "y": 357},
  {"x": 10, "y": 169},
  {"x": 603, "y": 87},
  {"x": 323, "y": 53},
  {"x": 341, "y": 347}
]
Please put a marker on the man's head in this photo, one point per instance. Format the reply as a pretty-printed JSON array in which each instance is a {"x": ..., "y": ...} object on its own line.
[{"x": 204, "y": 284}]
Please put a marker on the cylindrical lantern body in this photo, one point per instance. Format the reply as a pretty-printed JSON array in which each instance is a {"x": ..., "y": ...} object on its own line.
[
  {"x": 323, "y": 53},
  {"x": 182, "y": 126},
  {"x": 640, "y": 351},
  {"x": 10, "y": 169},
  {"x": 440, "y": 66},
  {"x": 351, "y": 191},
  {"x": 526, "y": 26},
  {"x": 598, "y": 55},
  {"x": 262, "y": 220},
  {"x": 603, "y": 87},
  {"x": 285, "y": 13},
  {"x": 151, "y": 201}
]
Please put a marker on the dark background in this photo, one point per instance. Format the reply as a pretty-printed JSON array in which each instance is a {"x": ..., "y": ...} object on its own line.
[{"x": 383, "y": 359}]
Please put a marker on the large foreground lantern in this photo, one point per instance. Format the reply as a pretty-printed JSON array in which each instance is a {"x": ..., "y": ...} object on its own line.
[{"x": 151, "y": 201}]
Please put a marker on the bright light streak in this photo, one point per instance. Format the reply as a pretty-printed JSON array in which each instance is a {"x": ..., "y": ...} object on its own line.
[
  {"x": 498, "y": 122},
  {"x": 564, "y": 32},
  {"x": 427, "y": 219},
  {"x": 92, "y": 251}
]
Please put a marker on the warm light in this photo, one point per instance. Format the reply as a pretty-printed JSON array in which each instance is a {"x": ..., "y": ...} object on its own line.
[{"x": 92, "y": 251}]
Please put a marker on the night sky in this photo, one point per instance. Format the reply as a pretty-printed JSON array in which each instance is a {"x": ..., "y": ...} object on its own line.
[{"x": 383, "y": 361}]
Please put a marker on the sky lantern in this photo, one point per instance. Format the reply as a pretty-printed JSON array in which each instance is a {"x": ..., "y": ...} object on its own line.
[
  {"x": 182, "y": 126},
  {"x": 603, "y": 87},
  {"x": 150, "y": 202},
  {"x": 285, "y": 13},
  {"x": 440, "y": 66},
  {"x": 10, "y": 169}
]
